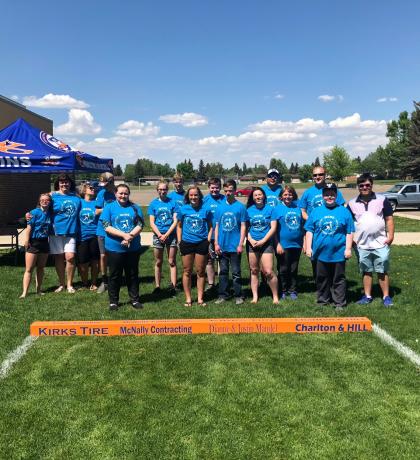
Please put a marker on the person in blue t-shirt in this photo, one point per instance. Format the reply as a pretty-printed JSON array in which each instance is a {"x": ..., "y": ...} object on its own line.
[
  {"x": 37, "y": 231},
  {"x": 212, "y": 201},
  {"x": 123, "y": 221},
  {"x": 66, "y": 207},
  {"x": 105, "y": 196},
  {"x": 230, "y": 231},
  {"x": 178, "y": 195},
  {"x": 262, "y": 226},
  {"x": 162, "y": 215},
  {"x": 273, "y": 187},
  {"x": 194, "y": 232},
  {"x": 87, "y": 241},
  {"x": 329, "y": 237},
  {"x": 289, "y": 241}
]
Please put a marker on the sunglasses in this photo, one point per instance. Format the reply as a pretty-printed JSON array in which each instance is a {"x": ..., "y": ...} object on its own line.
[
  {"x": 365, "y": 185},
  {"x": 162, "y": 189},
  {"x": 318, "y": 175}
]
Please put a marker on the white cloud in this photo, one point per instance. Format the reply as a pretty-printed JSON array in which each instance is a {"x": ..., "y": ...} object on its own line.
[
  {"x": 187, "y": 119},
  {"x": 133, "y": 128},
  {"x": 302, "y": 125},
  {"x": 14, "y": 97},
  {"x": 354, "y": 121},
  {"x": 80, "y": 123},
  {"x": 279, "y": 96},
  {"x": 54, "y": 101},
  {"x": 387, "y": 99},
  {"x": 330, "y": 98}
]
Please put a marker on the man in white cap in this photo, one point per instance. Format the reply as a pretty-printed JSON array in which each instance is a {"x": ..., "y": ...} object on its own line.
[{"x": 273, "y": 187}]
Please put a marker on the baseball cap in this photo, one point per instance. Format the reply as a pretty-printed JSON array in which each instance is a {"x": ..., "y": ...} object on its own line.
[
  {"x": 330, "y": 186},
  {"x": 105, "y": 178},
  {"x": 272, "y": 172}
]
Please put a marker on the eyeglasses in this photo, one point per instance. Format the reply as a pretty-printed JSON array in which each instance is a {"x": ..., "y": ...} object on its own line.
[
  {"x": 365, "y": 185},
  {"x": 318, "y": 175},
  {"x": 90, "y": 187}
]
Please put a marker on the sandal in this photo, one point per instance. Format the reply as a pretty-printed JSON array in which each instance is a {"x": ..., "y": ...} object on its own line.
[
  {"x": 93, "y": 288},
  {"x": 188, "y": 304},
  {"x": 59, "y": 289},
  {"x": 202, "y": 304},
  {"x": 71, "y": 290}
]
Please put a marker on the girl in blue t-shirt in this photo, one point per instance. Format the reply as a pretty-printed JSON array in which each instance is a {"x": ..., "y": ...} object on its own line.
[
  {"x": 87, "y": 242},
  {"x": 162, "y": 215},
  {"x": 194, "y": 232},
  {"x": 288, "y": 241},
  {"x": 262, "y": 226},
  {"x": 37, "y": 231},
  {"x": 329, "y": 237}
]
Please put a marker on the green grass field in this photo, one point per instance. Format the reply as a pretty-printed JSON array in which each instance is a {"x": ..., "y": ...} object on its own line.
[{"x": 234, "y": 396}]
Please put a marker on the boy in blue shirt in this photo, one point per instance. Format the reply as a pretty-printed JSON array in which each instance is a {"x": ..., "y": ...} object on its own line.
[
  {"x": 230, "y": 233},
  {"x": 273, "y": 187},
  {"x": 178, "y": 195},
  {"x": 329, "y": 237}
]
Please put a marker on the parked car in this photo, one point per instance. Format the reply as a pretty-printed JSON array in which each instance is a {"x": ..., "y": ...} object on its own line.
[
  {"x": 246, "y": 191},
  {"x": 404, "y": 195}
]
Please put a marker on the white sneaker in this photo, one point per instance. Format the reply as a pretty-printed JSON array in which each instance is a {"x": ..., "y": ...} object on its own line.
[{"x": 102, "y": 288}]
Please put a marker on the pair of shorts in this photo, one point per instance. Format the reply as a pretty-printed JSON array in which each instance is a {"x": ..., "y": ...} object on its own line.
[
  {"x": 87, "y": 250},
  {"x": 171, "y": 242},
  {"x": 38, "y": 246},
  {"x": 101, "y": 244},
  {"x": 374, "y": 260},
  {"x": 266, "y": 248},
  {"x": 201, "y": 248},
  {"x": 60, "y": 244}
]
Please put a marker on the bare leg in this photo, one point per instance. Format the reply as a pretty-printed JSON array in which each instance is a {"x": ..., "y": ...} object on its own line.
[
  {"x": 172, "y": 264},
  {"x": 254, "y": 267},
  {"x": 383, "y": 279},
  {"x": 70, "y": 268},
  {"x": 267, "y": 268},
  {"x": 187, "y": 263},
  {"x": 84, "y": 273},
  {"x": 200, "y": 268},
  {"x": 30, "y": 262},
  {"x": 367, "y": 284},
  {"x": 210, "y": 271},
  {"x": 158, "y": 253},
  {"x": 40, "y": 265},
  {"x": 60, "y": 268}
]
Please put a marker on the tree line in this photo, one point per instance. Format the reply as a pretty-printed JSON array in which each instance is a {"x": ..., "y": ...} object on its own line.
[{"x": 398, "y": 159}]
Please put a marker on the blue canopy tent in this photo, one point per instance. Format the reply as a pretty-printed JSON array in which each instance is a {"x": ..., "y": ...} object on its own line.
[{"x": 26, "y": 149}]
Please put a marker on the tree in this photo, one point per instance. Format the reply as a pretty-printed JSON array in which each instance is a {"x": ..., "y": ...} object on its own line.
[
  {"x": 317, "y": 162},
  {"x": 201, "y": 173},
  {"x": 237, "y": 169},
  {"x": 280, "y": 165},
  {"x": 292, "y": 168},
  {"x": 138, "y": 169},
  {"x": 129, "y": 173},
  {"x": 337, "y": 163},
  {"x": 305, "y": 172},
  {"x": 186, "y": 169},
  {"x": 118, "y": 171},
  {"x": 244, "y": 169},
  {"x": 412, "y": 166}
]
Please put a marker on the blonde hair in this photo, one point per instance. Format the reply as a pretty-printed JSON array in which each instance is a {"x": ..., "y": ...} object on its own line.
[
  {"x": 178, "y": 176},
  {"x": 164, "y": 182}
]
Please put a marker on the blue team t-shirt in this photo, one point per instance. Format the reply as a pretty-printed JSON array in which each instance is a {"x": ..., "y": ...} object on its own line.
[
  {"x": 103, "y": 198},
  {"x": 329, "y": 227},
  {"x": 65, "y": 213},
  {"x": 273, "y": 195},
  {"x": 123, "y": 218},
  {"x": 312, "y": 198},
  {"x": 259, "y": 221},
  {"x": 88, "y": 220},
  {"x": 163, "y": 211},
  {"x": 194, "y": 223},
  {"x": 229, "y": 217},
  {"x": 178, "y": 198},
  {"x": 289, "y": 225},
  {"x": 212, "y": 204},
  {"x": 41, "y": 223}
]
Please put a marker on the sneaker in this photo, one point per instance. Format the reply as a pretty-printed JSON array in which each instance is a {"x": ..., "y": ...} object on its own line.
[
  {"x": 365, "y": 300},
  {"x": 283, "y": 296},
  {"x": 71, "y": 290},
  {"x": 239, "y": 301},
  {"x": 113, "y": 306},
  {"x": 340, "y": 309},
  {"x": 388, "y": 301},
  {"x": 137, "y": 305},
  {"x": 293, "y": 295},
  {"x": 220, "y": 300},
  {"x": 102, "y": 288}
]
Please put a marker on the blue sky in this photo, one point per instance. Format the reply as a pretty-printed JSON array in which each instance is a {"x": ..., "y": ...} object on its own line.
[{"x": 228, "y": 81}]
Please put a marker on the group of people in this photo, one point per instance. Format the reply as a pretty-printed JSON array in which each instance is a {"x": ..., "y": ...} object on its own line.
[{"x": 211, "y": 232}]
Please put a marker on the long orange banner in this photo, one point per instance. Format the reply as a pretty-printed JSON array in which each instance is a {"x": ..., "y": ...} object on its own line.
[{"x": 200, "y": 326}]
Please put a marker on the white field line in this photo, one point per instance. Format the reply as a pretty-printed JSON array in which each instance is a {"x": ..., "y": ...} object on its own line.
[
  {"x": 14, "y": 356},
  {"x": 400, "y": 348}
]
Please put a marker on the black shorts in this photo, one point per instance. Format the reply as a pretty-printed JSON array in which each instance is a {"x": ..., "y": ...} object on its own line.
[
  {"x": 87, "y": 250},
  {"x": 38, "y": 246},
  {"x": 201, "y": 248},
  {"x": 264, "y": 249}
]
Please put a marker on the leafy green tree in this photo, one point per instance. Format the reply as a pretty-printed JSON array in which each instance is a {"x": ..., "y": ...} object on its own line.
[
  {"x": 317, "y": 162},
  {"x": 412, "y": 166},
  {"x": 129, "y": 173},
  {"x": 118, "y": 171},
  {"x": 201, "y": 172},
  {"x": 244, "y": 169},
  {"x": 279, "y": 165},
  {"x": 305, "y": 172},
  {"x": 337, "y": 163},
  {"x": 237, "y": 170},
  {"x": 186, "y": 169}
]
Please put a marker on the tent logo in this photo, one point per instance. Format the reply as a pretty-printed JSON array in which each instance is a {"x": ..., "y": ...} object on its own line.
[
  {"x": 52, "y": 141},
  {"x": 13, "y": 148}
]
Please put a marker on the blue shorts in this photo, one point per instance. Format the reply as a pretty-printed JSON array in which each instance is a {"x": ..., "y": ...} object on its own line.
[{"x": 374, "y": 260}]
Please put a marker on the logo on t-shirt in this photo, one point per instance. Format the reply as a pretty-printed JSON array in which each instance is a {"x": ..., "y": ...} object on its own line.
[
  {"x": 194, "y": 223},
  {"x": 292, "y": 220},
  {"x": 258, "y": 222},
  {"x": 68, "y": 208},
  {"x": 124, "y": 222},
  {"x": 164, "y": 215},
  {"x": 228, "y": 222},
  {"x": 317, "y": 201},
  {"x": 328, "y": 225},
  {"x": 272, "y": 200},
  {"x": 87, "y": 216}
]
